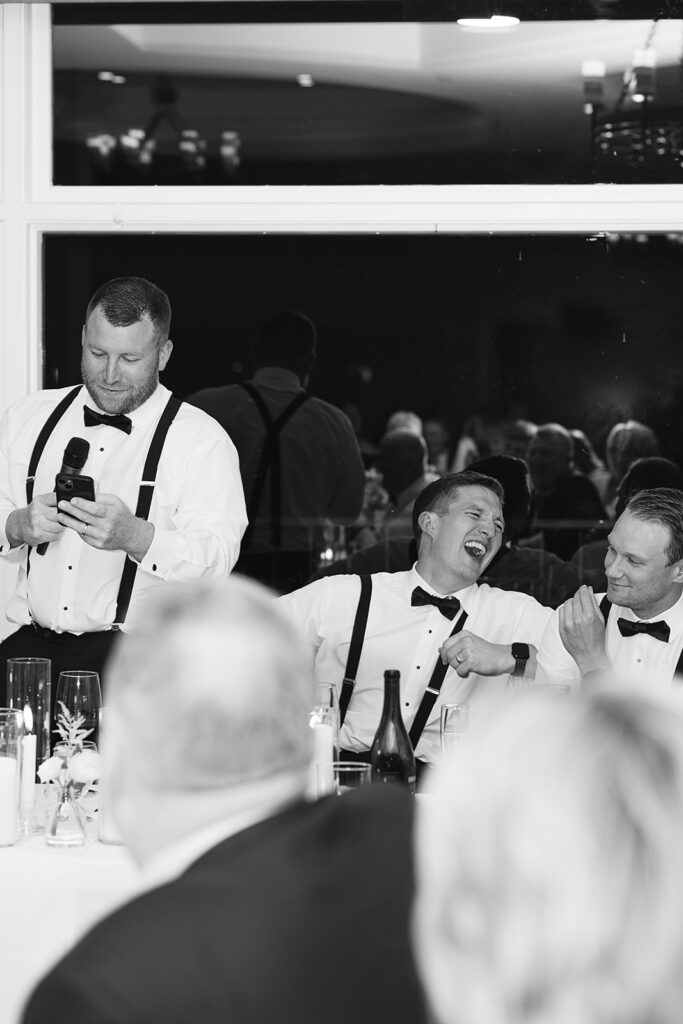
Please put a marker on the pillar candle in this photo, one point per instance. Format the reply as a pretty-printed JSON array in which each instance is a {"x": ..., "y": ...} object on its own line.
[
  {"x": 28, "y": 770},
  {"x": 323, "y": 754}
]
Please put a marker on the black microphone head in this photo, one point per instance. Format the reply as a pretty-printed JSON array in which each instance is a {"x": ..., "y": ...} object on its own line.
[{"x": 76, "y": 453}]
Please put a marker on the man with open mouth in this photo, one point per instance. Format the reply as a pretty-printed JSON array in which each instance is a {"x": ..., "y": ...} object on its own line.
[{"x": 451, "y": 638}]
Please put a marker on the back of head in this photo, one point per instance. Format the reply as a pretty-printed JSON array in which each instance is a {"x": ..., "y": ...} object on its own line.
[
  {"x": 404, "y": 419},
  {"x": 644, "y": 474},
  {"x": 549, "y": 864},
  {"x": 628, "y": 441},
  {"x": 513, "y": 475},
  {"x": 437, "y": 496},
  {"x": 127, "y": 300},
  {"x": 585, "y": 458},
  {"x": 212, "y": 690},
  {"x": 664, "y": 506},
  {"x": 401, "y": 459},
  {"x": 289, "y": 340}
]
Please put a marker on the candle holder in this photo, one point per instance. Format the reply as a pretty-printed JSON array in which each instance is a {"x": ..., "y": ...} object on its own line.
[
  {"x": 28, "y": 692},
  {"x": 10, "y": 763}
]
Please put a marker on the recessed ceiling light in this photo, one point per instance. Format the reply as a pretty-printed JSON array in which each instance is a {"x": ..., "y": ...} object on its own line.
[
  {"x": 495, "y": 23},
  {"x": 306, "y": 81}
]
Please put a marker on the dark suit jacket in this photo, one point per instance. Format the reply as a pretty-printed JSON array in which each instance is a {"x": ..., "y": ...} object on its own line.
[{"x": 301, "y": 919}]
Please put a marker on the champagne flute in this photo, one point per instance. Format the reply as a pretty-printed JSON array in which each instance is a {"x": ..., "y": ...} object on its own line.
[
  {"x": 452, "y": 725},
  {"x": 79, "y": 691}
]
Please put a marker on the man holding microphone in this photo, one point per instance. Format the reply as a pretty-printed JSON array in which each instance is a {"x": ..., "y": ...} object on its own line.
[{"x": 168, "y": 501}]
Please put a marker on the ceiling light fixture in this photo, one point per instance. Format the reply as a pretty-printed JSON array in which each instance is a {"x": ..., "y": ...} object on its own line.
[{"x": 496, "y": 23}]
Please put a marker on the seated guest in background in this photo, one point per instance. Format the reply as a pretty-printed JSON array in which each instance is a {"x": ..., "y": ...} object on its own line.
[
  {"x": 642, "y": 474},
  {"x": 636, "y": 628},
  {"x": 438, "y": 439},
  {"x": 299, "y": 456},
  {"x": 404, "y": 419},
  {"x": 549, "y": 856},
  {"x": 517, "y": 436},
  {"x": 104, "y": 554},
  {"x": 531, "y": 571},
  {"x": 626, "y": 442},
  {"x": 565, "y": 504},
  {"x": 258, "y": 905},
  {"x": 587, "y": 462},
  {"x": 481, "y": 435},
  {"x": 430, "y": 616},
  {"x": 402, "y": 464}
]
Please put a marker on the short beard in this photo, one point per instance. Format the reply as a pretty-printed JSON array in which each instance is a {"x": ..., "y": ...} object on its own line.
[{"x": 133, "y": 400}]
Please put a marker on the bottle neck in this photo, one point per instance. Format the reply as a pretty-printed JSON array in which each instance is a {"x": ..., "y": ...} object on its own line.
[{"x": 392, "y": 696}]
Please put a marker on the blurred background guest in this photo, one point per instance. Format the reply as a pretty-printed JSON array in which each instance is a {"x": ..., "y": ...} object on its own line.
[
  {"x": 549, "y": 864},
  {"x": 299, "y": 457},
  {"x": 565, "y": 503},
  {"x": 402, "y": 465},
  {"x": 517, "y": 435},
  {"x": 404, "y": 419},
  {"x": 481, "y": 436},
  {"x": 437, "y": 436},
  {"x": 587, "y": 462},
  {"x": 257, "y": 905},
  {"x": 626, "y": 442}
]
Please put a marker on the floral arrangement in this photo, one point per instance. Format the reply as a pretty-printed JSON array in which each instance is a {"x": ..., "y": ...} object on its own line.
[{"x": 71, "y": 767}]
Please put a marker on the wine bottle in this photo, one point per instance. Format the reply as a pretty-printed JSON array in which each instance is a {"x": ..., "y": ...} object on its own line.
[{"x": 391, "y": 755}]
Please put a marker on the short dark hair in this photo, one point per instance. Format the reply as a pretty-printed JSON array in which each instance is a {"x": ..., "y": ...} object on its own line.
[
  {"x": 127, "y": 300},
  {"x": 662, "y": 505},
  {"x": 287, "y": 339},
  {"x": 437, "y": 496}
]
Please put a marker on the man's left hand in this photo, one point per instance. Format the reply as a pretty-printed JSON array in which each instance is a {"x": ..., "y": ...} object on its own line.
[
  {"x": 467, "y": 653},
  {"x": 107, "y": 524}
]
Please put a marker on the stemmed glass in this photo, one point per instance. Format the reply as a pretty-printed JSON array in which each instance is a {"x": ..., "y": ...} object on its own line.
[
  {"x": 452, "y": 725},
  {"x": 79, "y": 691}
]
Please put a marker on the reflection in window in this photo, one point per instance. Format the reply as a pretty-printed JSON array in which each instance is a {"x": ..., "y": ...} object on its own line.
[{"x": 373, "y": 103}]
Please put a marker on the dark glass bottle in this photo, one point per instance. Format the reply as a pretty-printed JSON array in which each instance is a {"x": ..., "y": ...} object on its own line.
[{"x": 391, "y": 755}]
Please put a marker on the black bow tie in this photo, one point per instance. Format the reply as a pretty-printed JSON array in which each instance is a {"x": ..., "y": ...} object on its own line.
[
  {"x": 92, "y": 419},
  {"x": 448, "y": 606},
  {"x": 659, "y": 630}
]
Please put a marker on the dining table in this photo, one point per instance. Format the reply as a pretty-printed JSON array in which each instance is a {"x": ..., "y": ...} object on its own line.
[{"x": 50, "y": 898}]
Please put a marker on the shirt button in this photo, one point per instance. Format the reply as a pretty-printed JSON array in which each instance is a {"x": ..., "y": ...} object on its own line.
[
  {"x": 101, "y": 449},
  {"x": 154, "y": 567},
  {"x": 407, "y": 704},
  {"x": 69, "y": 566},
  {"x": 65, "y": 608}
]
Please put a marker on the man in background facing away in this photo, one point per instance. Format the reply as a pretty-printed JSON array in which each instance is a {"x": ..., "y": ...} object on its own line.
[
  {"x": 258, "y": 906},
  {"x": 299, "y": 457}
]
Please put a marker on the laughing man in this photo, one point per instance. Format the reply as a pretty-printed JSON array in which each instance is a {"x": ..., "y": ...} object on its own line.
[{"x": 433, "y": 615}]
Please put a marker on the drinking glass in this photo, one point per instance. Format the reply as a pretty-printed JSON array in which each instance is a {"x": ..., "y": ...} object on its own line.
[
  {"x": 28, "y": 691},
  {"x": 341, "y": 777},
  {"x": 325, "y": 711},
  {"x": 452, "y": 725},
  {"x": 79, "y": 691}
]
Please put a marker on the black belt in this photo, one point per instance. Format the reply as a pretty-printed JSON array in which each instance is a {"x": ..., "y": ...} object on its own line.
[{"x": 63, "y": 638}]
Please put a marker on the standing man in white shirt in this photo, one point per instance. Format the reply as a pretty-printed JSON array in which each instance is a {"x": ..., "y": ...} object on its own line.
[
  {"x": 636, "y": 628},
  {"x": 450, "y": 638},
  {"x": 169, "y": 501}
]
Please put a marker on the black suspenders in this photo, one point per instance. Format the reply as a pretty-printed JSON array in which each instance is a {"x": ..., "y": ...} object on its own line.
[
  {"x": 355, "y": 647},
  {"x": 270, "y": 460},
  {"x": 605, "y": 606},
  {"x": 144, "y": 495}
]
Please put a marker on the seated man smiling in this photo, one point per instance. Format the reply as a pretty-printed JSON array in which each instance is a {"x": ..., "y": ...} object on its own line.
[{"x": 449, "y": 637}]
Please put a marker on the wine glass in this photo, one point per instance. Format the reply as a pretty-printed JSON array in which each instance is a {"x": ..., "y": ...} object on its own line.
[
  {"x": 79, "y": 691},
  {"x": 452, "y": 725}
]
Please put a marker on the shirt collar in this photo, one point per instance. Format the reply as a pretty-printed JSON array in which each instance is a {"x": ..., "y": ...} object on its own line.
[
  {"x": 413, "y": 579},
  {"x": 278, "y": 378},
  {"x": 145, "y": 414}
]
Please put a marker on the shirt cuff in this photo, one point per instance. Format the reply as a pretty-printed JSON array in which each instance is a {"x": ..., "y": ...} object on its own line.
[{"x": 160, "y": 555}]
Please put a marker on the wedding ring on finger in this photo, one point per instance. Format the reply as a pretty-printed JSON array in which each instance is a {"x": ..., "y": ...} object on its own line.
[
  {"x": 84, "y": 530},
  {"x": 459, "y": 659}
]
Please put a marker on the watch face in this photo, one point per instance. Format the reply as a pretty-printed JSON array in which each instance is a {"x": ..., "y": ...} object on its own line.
[{"x": 520, "y": 651}]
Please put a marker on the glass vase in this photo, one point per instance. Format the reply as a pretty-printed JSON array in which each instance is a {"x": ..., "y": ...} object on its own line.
[{"x": 66, "y": 826}]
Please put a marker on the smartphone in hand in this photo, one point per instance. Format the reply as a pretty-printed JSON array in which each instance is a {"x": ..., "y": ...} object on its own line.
[{"x": 68, "y": 487}]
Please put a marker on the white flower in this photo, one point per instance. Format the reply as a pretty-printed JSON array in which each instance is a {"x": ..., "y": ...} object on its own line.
[
  {"x": 50, "y": 769},
  {"x": 84, "y": 766}
]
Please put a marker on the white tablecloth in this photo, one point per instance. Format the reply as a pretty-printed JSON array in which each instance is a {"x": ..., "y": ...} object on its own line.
[{"x": 48, "y": 898}]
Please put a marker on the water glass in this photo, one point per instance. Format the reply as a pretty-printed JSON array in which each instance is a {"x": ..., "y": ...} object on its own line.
[
  {"x": 341, "y": 777},
  {"x": 452, "y": 725},
  {"x": 28, "y": 692},
  {"x": 79, "y": 691},
  {"x": 325, "y": 711},
  {"x": 10, "y": 784}
]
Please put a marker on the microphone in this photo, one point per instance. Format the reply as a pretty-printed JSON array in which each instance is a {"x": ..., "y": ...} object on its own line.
[{"x": 73, "y": 461}]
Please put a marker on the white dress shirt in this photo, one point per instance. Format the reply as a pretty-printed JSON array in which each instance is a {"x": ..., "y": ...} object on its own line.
[
  {"x": 629, "y": 657},
  {"x": 197, "y": 509},
  {"x": 407, "y": 638}
]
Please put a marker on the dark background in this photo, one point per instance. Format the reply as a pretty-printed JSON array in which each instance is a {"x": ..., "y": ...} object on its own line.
[{"x": 585, "y": 331}]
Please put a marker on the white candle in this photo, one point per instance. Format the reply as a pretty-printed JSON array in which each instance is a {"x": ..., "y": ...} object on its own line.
[
  {"x": 323, "y": 754},
  {"x": 28, "y": 771},
  {"x": 8, "y": 801}
]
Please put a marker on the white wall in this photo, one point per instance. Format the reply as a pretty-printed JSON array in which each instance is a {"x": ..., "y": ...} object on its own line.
[{"x": 30, "y": 206}]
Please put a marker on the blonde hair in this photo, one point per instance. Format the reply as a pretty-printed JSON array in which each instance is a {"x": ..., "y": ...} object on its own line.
[{"x": 550, "y": 865}]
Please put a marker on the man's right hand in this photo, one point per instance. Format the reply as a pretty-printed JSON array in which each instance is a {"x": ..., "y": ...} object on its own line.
[{"x": 34, "y": 524}]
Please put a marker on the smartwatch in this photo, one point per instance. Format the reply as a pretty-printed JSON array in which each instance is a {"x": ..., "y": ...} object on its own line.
[{"x": 520, "y": 652}]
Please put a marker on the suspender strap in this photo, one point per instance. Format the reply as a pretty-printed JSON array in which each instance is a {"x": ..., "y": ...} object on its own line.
[
  {"x": 39, "y": 447},
  {"x": 145, "y": 494},
  {"x": 356, "y": 645},
  {"x": 433, "y": 689},
  {"x": 605, "y": 606},
  {"x": 270, "y": 460}
]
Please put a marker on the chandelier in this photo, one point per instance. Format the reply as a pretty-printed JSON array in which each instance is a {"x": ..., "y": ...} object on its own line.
[{"x": 638, "y": 135}]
